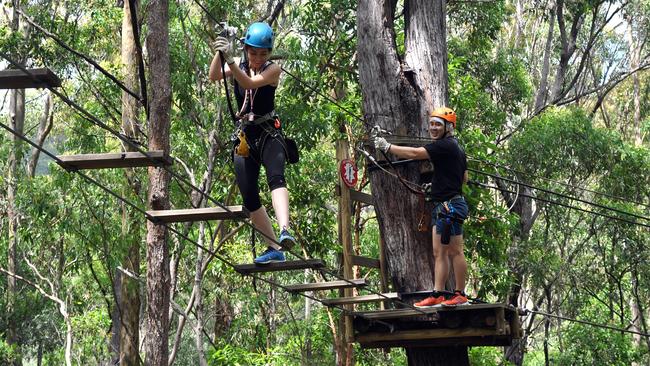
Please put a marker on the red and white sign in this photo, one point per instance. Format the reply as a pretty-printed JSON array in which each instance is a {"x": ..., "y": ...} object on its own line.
[{"x": 349, "y": 172}]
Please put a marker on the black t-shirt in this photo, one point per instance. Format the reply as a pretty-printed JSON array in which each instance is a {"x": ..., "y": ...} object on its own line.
[{"x": 449, "y": 165}]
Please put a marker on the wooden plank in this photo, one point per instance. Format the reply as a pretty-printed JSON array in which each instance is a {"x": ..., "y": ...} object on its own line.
[
  {"x": 358, "y": 260},
  {"x": 114, "y": 160},
  {"x": 345, "y": 234},
  {"x": 360, "y": 299},
  {"x": 408, "y": 312},
  {"x": 383, "y": 270},
  {"x": 35, "y": 78},
  {"x": 281, "y": 266},
  {"x": 362, "y": 197},
  {"x": 326, "y": 285},
  {"x": 495, "y": 340},
  {"x": 424, "y": 334},
  {"x": 395, "y": 313},
  {"x": 473, "y": 307},
  {"x": 515, "y": 325},
  {"x": 198, "y": 214},
  {"x": 500, "y": 320}
]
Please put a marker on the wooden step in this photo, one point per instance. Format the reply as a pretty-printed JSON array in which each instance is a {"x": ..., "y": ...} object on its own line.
[
  {"x": 360, "y": 299},
  {"x": 114, "y": 160},
  {"x": 362, "y": 261},
  {"x": 326, "y": 285},
  {"x": 35, "y": 78},
  {"x": 434, "y": 338},
  {"x": 395, "y": 313},
  {"x": 281, "y": 266},
  {"x": 198, "y": 214}
]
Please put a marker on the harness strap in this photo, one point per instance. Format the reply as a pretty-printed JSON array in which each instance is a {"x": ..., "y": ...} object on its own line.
[
  {"x": 446, "y": 212},
  {"x": 251, "y": 119}
]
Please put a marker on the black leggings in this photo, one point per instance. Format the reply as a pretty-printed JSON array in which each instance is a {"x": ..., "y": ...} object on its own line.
[{"x": 247, "y": 171}]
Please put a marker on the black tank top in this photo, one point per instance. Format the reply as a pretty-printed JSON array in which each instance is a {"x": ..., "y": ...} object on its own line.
[
  {"x": 263, "y": 101},
  {"x": 264, "y": 97}
]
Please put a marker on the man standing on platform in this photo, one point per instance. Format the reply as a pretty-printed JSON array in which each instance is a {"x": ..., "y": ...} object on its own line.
[{"x": 450, "y": 209}]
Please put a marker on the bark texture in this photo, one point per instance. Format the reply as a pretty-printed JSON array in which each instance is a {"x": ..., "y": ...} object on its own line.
[
  {"x": 158, "y": 280},
  {"x": 397, "y": 94},
  {"x": 129, "y": 298}
]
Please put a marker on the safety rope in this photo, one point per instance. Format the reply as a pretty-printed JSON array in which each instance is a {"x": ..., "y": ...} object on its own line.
[
  {"x": 138, "y": 145},
  {"x": 138, "y": 47},
  {"x": 223, "y": 259},
  {"x": 190, "y": 240}
]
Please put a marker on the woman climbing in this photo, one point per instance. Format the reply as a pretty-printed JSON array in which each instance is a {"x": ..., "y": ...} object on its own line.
[{"x": 261, "y": 141}]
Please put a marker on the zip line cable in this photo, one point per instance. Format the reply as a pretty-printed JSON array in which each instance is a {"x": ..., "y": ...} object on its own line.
[
  {"x": 270, "y": 282},
  {"x": 358, "y": 118},
  {"x": 136, "y": 146},
  {"x": 138, "y": 47},
  {"x": 226, "y": 261},
  {"x": 618, "y": 198},
  {"x": 562, "y": 204},
  {"x": 586, "y": 322},
  {"x": 185, "y": 237},
  {"x": 561, "y": 195},
  {"x": 81, "y": 55},
  {"x": 144, "y": 102},
  {"x": 298, "y": 79}
]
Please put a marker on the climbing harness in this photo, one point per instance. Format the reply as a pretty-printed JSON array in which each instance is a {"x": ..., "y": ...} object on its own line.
[{"x": 447, "y": 216}]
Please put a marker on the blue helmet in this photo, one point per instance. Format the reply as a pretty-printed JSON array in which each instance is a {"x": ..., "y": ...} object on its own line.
[{"x": 259, "y": 35}]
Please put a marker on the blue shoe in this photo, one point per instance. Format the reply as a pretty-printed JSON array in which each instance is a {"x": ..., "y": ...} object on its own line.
[
  {"x": 270, "y": 255},
  {"x": 286, "y": 240}
]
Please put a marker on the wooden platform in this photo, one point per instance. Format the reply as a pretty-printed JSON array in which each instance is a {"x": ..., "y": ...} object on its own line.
[
  {"x": 326, "y": 285},
  {"x": 114, "y": 160},
  {"x": 282, "y": 266},
  {"x": 360, "y": 299},
  {"x": 471, "y": 325},
  {"x": 36, "y": 78},
  {"x": 198, "y": 214}
]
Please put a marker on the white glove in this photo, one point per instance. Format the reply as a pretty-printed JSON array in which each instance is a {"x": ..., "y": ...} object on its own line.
[
  {"x": 374, "y": 132},
  {"x": 381, "y": 144},
  {"x": 223, "y": 45}
]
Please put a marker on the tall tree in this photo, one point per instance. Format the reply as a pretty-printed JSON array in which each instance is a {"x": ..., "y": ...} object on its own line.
[
  {"x": 158, "y": 280},
  {"x": 17, "y": 123},
  {"x": 128, "y": 300},
  {"x": 398, "y": 90}
]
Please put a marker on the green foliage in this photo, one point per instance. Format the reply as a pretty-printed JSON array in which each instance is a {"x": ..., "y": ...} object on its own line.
[
  {"x": 76, "y": 234},
  {"x": 486, "y": 356},
  {"x": 595, "y": 346},
  {"x": 8, "y": 353},
  {"x": 558, "y": 142}
]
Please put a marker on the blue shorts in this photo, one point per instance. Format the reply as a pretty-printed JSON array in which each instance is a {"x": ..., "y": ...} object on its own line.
[{"x": 460, "y": 209}]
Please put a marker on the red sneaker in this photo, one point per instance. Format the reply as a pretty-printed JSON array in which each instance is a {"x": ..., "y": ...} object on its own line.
[
  {"x": 430, "y": 301},
  {"x": 458, "y": 299}
]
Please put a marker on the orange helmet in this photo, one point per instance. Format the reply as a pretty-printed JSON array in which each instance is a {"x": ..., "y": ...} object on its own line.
[{"x": 445, "y": 113}]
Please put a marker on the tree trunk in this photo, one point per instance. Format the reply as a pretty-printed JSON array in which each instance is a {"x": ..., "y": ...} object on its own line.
[
  {"x": 568, "y": 47},
  {"x": 128, "y": 320},
  {"x": 17, "y": 122},
  {"x": 635, "y": 57},
  {"x": 157, "y": 43},
  {"x": 524, "y": 209},
  {"x": 397, "y": 96},
  {"x": 17, "y": 108},
  {"x": 44, "y": 128},
  {"x": 542, "y": 91}
]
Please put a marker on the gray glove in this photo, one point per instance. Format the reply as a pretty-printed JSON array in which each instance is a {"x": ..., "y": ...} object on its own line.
[
  {"x": 223, "y": 45},
  {"x": 381, "y": 144}
]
